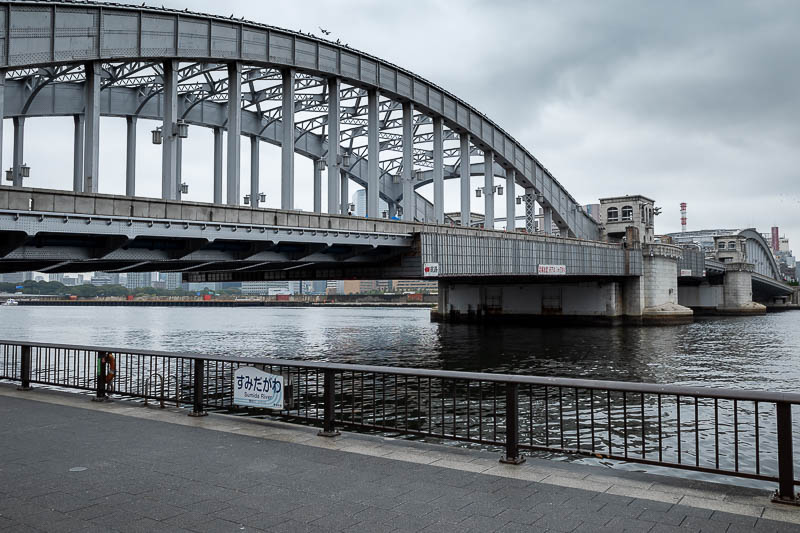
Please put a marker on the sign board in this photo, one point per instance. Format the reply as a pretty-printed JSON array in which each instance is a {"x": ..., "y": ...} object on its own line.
[
  {"x": 254, "y": 388},
  {"x": 686, "y": 272},
  {"x": 430, "y": 270},
  {"x": 552, "y": 270}
]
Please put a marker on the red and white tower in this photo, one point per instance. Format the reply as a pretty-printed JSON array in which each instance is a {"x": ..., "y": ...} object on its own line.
[{"x": 683, "y": 217}]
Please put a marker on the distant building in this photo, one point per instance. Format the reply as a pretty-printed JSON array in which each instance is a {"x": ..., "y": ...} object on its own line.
[
  {"x": 415, "y": 285},
  {"x": 173, "y": 280},
  {"x": 359, "y": 200},
  {"x": 16, "y": 277},
  {"x": 138, "y": 280},
  {"x": 263, "y": 288}
]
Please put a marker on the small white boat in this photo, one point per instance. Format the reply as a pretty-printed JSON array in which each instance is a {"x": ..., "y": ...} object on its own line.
[{"x": 11, "y": 301}]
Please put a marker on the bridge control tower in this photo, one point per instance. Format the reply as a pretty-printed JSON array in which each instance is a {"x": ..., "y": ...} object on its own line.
[{"x": 618, "y": 213}]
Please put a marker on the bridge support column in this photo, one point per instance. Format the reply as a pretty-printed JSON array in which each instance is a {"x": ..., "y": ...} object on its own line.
[
  {"x": 344, "y": 189},
  {"x": 2, "y": 114},
  {"x": 287, "y": 144},
  {"x": 91, "y": 143},
  {"x": 465, "y": 180},
  {"x": 218, "y": 165},
  {"x": 19, "y": 150},
  {"x": 511, "y": 198},
  {"x": 438, "y": 170},
  {"x": 488, "y": 189},
  {"x": 547, "y": 220},
  {"x": 318, "y": 166},
  {"x": 169, "y": 142},
  {"x": 737, "y": 291},
  {"x": 254, "y": 171},
  {"x": 178, "y": 167},
  {"x": 333, "y": 146},
  {"x": 77, "y": 154},
  {"x": 408, "y": 162},
  {"x": 530, "y": 211},
  {"x": 373, "y": 154},
  {"x": 130, "y": 154},
  {"x": 234, "y": 132}
]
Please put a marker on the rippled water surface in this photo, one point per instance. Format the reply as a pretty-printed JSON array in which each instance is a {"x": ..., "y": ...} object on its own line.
[{"x": 748, "y": 352}]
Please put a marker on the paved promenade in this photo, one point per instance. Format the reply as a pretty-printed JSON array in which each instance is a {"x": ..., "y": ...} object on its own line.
[{"x": 67, "y": 464}]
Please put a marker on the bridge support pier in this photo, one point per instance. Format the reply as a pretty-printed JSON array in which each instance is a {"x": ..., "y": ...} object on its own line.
[
  {"x": 373, "y": 152},
  {"x": 234, "y": 132},
  {"x": 408, "y": 162},
  {"x": 737, "y": 291},
  {"x": 333, "y": 146},
  {"x": 659, "y": 286}
]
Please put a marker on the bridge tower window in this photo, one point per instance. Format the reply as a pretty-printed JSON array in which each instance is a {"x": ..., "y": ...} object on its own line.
[
  {"x": 721, "y": 245},
  {"x": 627, "y": 213},
  {"x": 732, "y": 245},
  {"x": 613, "y": 214}
]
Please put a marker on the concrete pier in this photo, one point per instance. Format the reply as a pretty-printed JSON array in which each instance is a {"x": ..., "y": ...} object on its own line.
[{"x": 69, "y": 464}]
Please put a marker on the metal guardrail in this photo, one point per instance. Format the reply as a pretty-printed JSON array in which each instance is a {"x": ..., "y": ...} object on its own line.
[{"x": 739, "y": 433}]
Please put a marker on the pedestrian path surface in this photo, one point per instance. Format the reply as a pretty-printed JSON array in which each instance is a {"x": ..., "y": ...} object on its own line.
[{"x": 67, "y": 464}]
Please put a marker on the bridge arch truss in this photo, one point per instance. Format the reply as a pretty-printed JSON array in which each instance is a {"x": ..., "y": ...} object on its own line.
[{"x": 396, "y": 131}]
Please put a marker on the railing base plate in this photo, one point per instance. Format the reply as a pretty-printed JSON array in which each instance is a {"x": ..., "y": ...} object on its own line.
[
  {"x": 512, "y": 461},
  {"x": 776, "y": 498},
  {"x": 198, "y": 414},
  {"x": 328, "y": 434},
  {"x": 24, "y": 388}
]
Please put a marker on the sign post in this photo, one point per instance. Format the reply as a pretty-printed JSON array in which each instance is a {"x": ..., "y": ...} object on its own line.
[{"x": 254, "y": 388}]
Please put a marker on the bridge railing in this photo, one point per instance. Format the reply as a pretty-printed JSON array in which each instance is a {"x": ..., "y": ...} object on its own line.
[{"x": 740, "y": 433}]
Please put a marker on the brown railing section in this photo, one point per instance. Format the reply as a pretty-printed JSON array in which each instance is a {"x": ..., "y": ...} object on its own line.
[{"x": 740, "y": 433}]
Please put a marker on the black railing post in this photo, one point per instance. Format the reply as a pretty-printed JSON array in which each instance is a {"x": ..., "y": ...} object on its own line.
[
  {"x": 100, "y": 395},
  {"x": 25, "y": 368},
  {"x": 328, "y": 421},
  {"x": 199, "y": 374},
  {"x": 785, "y": 492},
  {"x": 512, "y": 426}
]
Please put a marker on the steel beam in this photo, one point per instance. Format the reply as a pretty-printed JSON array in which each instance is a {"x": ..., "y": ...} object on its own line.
[
  {"x": 19, "y": 150},
  {"x": 254, "y": 161},
  {"x": 91, "y": 143},
  {"x": 234, "y": 131},
  {"x": 217, "y": 165},
  {"x": 511, "y": 198},
  {"x": 373, "y": 154},
  {"x": 319, "y": 164},
  {"x": 130, "y": 156},
  {"x": 287, "y": 146},
  {"x": 438, "y": 170},
  {"x": 169, "y": 144},
  {"x": 465, "y": 180},
  {"x": 408, "y": 162},
  {"x": 488, "y": 189},
  {"x": 77, "y": 154},
  {"x": 333, "y": 145}
]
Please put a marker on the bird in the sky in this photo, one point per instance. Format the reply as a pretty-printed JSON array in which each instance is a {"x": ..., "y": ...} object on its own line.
[{"x": 324, "y": 31}]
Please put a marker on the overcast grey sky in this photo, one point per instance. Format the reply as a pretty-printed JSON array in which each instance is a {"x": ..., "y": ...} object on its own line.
[{"x": 680, "y": 101}]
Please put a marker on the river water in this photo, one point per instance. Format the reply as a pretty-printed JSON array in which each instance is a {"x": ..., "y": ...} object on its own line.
[
  {"x": 742, "y": 352},
  {"x": 759, "y": 353}
]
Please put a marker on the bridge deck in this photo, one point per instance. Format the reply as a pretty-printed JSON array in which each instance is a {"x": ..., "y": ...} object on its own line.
[{"x": 70, "y": 464}]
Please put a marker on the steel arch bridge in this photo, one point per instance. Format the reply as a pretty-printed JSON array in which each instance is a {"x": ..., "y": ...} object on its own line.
[{"x": 395, "y": 131}]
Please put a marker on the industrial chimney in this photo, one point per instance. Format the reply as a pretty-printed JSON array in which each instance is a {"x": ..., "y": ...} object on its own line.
[{"x": 683, "y": 217}]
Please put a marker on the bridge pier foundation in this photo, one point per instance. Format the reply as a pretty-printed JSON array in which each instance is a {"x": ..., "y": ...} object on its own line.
[
  {"x": 659, "y": 286},
  {"x": 737, "y": 291}
]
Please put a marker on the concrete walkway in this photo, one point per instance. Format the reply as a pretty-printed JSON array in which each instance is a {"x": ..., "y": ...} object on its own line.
[{"x": 67, "y": 464}]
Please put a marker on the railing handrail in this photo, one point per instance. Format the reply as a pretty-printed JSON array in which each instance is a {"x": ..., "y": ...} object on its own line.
[{"x": 544, "y": 381}]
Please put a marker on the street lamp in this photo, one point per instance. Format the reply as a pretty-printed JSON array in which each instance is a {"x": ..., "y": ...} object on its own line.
[
  {"x": 184, "y": 188},
  {"x": 182, "y": 129},
  {"x": 519, "y": 200},
  {"x": 262, "y": 197},
  {"x": 10, "y": 175},
  {"x": 158, "y": 137},
  {"x": 26, "y": 170},
  {"x": 246, "y": 199}
]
